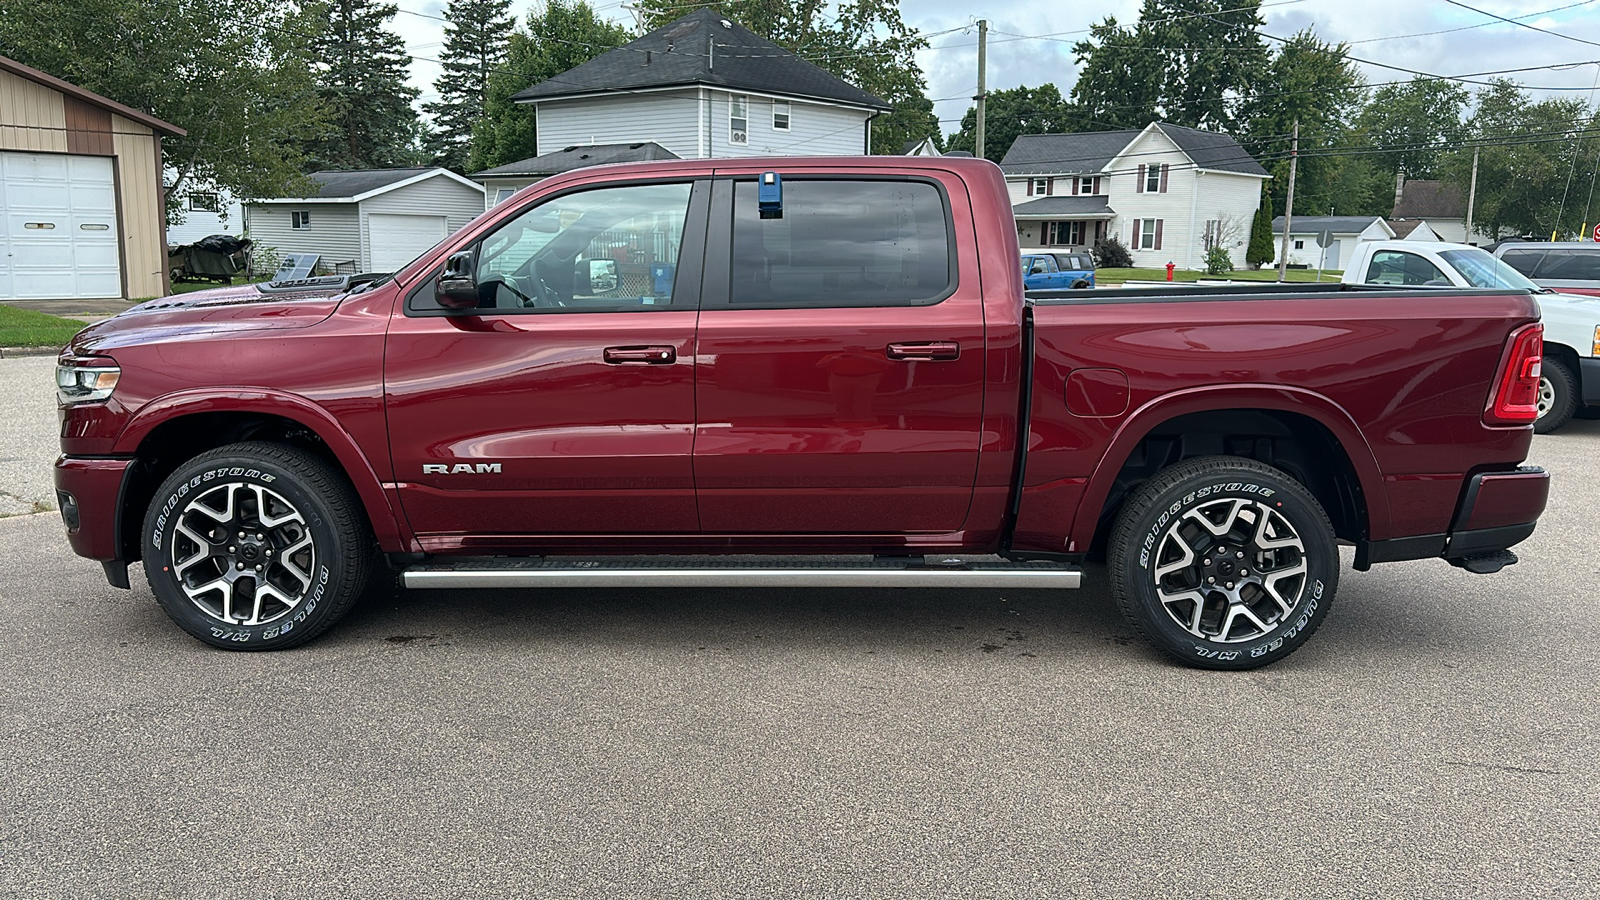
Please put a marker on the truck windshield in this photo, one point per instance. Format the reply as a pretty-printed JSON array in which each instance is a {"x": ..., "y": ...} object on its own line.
[{"x": 1482, "y": 270}]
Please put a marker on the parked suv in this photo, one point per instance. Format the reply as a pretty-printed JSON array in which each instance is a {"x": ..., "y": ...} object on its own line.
[{"x": 1572, "y": 267}]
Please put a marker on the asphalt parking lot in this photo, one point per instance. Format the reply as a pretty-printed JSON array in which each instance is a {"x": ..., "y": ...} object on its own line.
[{"x": 1436, "y": 738}]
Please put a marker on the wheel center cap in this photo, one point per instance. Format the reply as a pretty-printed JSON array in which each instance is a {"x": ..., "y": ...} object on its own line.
[{"x": 250, "y": 552}]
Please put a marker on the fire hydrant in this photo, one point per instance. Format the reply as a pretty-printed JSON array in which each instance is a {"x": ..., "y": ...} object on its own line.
[{"x": 1170, "y": 267}]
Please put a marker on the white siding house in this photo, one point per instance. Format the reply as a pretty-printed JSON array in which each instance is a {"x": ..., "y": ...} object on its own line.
[
  {"x": 1168, "y": 193},
  {"x": 372, "y": 220},
  {"x": 1343, "y": 233},
  {"x": 701, "y": 87}
]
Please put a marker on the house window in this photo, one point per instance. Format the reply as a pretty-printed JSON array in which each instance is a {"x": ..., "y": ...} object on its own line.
[
  {"x": 1153, "y": 182},
  {"x": 1041, "y": 186},
  {"x": 204, "y": 201},
  {"x": 780, "y": 115},
  {"x": 1299, "y": 245},
  {"x": 1147, "y": 234},
  {"x": 739, "y": 120},
  {"x": 1086, "y": 185},
  {"x": 501, "y": 195},
  {"x": 300, "y": 220},
  {"x": 1058, "y": 233}
]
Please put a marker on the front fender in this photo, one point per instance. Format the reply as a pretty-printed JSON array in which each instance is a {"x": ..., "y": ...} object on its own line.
[
  {"x": 387, "y": 526},
  {"x": 1213, "y": 398}
]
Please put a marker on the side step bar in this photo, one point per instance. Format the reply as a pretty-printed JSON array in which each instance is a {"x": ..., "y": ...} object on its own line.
[{"x": 739, "y": 571}]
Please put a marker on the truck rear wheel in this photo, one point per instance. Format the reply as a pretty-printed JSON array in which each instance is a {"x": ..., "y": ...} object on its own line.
[
  {"x": 1558, "y": 396},
  {"x": 256, "y": 546},
  {"x": 1224, "y": 563}
]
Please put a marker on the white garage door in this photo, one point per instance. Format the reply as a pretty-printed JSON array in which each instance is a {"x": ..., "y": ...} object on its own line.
[
  {"x": 58, "y": 227},
  {"x": 397, "y": 240}
]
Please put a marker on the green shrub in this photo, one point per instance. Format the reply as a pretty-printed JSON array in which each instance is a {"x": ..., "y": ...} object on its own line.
[
  {"x": 1110, "y": 254},
  {"x": 1218, "y": 262}
]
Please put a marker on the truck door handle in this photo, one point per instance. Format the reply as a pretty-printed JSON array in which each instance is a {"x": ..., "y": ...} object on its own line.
[
  {"x": 646, "y": 356},
  {"x": 925, "y": 350}
]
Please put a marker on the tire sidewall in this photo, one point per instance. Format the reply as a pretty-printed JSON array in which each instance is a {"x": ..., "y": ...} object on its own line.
[
  {"x": 1286, "y": 497},
  {"x": 204, "y": 474},
  {"x": 1563, "y": 383}
]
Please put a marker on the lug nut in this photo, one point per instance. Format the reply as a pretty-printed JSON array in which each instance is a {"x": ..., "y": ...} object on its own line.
[
  {"x": 1207, "y": 562},
  {"x": 269, "y": 552},
  {"x": 258, "y": 568},
  {"x": 241, "y": 567},
  {"x": 1230, "y": 585},
  {"x": 1244, "y": 571},
  {"x": 241, "y": 534},
  {"x": 1211, "y": 581},
  {"x": 1240, "y": 554},
  {"x": 232, "y": 549},
  {"x": 262, "y": 537}
]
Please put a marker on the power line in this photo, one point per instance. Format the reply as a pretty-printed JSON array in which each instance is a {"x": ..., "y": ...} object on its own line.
[{"x": 1520, "y": 24}]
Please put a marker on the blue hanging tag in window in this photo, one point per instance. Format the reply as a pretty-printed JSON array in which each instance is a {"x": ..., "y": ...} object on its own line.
[{"x": 769, "y": 197}]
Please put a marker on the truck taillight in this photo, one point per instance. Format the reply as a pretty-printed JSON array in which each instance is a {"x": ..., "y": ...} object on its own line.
[{"x": 1516, "y": 392}]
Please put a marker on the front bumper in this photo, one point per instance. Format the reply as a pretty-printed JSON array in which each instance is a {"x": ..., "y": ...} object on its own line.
[
  {"x": 1497, "y": 511},
  {"x": 89, "y": 493}
]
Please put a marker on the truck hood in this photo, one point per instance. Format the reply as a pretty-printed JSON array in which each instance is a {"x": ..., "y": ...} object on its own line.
[{"x": 228, "y": 309}]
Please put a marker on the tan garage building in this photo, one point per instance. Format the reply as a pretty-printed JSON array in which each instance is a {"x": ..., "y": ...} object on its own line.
[{"x": 82, "y": 212}]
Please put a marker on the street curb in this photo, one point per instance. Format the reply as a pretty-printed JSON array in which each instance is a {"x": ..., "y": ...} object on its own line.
[{"x": 7, "y": 352}]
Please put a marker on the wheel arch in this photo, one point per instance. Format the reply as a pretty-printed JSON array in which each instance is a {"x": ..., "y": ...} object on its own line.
[
  {"x": 1303, "y": 433},
  {"x": 173, "y": 429}
]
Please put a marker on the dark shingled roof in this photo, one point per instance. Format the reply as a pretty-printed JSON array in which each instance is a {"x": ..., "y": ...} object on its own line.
[
  {"x": 1065, "y": 207},
  {"x": 569, "y": 158},
  {"x": 1334, "y": 224},
  {"x": 1429, "y": 200},
  {"x": 1091, "y": 151},
  {"x": 335, "y": 184},
  {"x": 676, "y": 54}
]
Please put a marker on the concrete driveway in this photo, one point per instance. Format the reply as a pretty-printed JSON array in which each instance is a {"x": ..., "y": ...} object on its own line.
[{"x": 1436, "y": 738}]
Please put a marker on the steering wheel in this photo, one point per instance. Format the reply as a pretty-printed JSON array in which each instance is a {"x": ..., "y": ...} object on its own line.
[{"x": 522, "y": 298}]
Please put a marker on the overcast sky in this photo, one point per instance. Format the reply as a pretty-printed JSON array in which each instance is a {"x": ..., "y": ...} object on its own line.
[{"x": 1383, "y": 31}]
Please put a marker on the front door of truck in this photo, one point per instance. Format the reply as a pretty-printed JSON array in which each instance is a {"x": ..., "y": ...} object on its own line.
[
  {"x": 564, "y": 404},
  {"x": 841, "y": 360}
]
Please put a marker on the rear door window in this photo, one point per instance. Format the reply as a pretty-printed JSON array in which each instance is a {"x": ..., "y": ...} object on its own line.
[
  {"x": 1524, "y": 261},
  {"x": 1572, "y": 264},
  {"x": 843, "y": 243},
  {"x": 1398, "y": 267}
]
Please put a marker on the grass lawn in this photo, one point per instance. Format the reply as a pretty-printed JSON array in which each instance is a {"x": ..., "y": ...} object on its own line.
[
  {"x": 27, "y": 328},
  {"x": 1118, "y": 276}
]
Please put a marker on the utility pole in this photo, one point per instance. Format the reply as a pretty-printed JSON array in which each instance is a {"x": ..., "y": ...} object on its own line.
[
  {"x": 1472, "y": 194},
  {"x": 983, "y": 44},
  {"x": 1288, "y": 202}
]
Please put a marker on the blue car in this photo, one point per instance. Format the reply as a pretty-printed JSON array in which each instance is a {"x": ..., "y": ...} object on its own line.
[{"x": 1057, "y": 269}]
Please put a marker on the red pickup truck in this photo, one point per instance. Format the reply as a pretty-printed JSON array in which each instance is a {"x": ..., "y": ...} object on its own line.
[{"x": 791, "y": 372}]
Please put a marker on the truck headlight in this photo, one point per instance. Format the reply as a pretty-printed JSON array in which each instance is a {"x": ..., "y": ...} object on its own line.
[{"x": 86, "y": 380}]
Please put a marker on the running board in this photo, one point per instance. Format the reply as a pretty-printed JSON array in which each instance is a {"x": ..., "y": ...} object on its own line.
[{"x": 739, "y": 571}]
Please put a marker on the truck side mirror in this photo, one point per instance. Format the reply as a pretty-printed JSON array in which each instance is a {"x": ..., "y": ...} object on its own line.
[
  {"x": 458, "y": 284},
  {"x": 599, "y": 275}
]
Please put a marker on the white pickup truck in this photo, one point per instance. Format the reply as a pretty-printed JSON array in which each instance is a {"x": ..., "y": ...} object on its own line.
[{"x": 1570, "y": 382}]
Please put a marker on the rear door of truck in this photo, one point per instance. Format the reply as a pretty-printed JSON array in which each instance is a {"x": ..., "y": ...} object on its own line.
[{"x": 840, "y": 364}]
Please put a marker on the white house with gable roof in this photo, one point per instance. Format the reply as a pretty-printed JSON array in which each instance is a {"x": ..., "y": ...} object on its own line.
[{"x": 1169, "y": 193}]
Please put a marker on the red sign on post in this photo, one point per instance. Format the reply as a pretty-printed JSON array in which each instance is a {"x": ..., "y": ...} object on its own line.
[{"x": 1597, "y": 231}]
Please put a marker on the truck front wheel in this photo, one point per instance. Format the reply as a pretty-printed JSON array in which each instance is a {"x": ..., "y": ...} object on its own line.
[
  {"x": 1223, "y": 563},
  {"x": 256, "y": 546}
]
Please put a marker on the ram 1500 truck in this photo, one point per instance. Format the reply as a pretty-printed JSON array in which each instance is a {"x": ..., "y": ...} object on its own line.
[
  {"x": 791, "y": 372},
  {"x": 1569, "y": 379}
]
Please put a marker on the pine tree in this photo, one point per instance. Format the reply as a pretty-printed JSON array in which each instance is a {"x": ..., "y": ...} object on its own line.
[
  {"x": 1260, "y": 249},
  {"x": 476, "y": 42},
  {"x": 361, "y": 77}
]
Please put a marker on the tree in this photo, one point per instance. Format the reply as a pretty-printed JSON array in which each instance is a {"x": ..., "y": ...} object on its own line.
[
  {"x": 1530, "y": 157},
  {"x": 1010, "y": 113},
  {"x": 234, "y": 73},
  {"x": 476, "y": 40},
  {"x": 1419, "y": 120},
  {"x": 1313, "y": 84},
  {"x": 360, "y": 70},
  {"x": 1188, "y": 62},
  {"x": 863, "y": 42},
  {"x": 1260, "y": 251},
  {"x": 565, "y": 34}
]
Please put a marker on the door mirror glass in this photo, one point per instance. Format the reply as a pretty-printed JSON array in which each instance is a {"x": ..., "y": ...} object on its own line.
[
  {"x": 596, "y": 276},
  {"x": 458, "y": 286}
]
